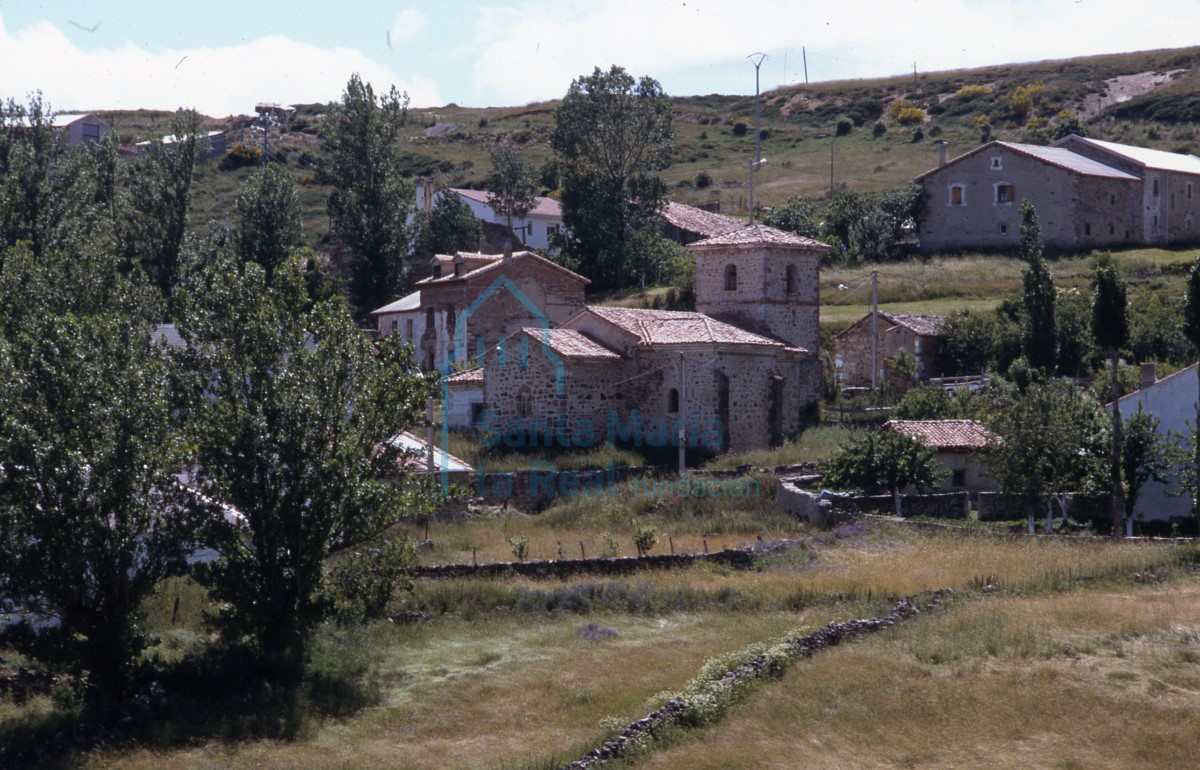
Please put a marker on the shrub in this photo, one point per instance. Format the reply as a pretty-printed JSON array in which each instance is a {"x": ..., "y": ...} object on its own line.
[
  {"x": 240, "y": 155},
  {"x": 644, "y": 538},
  {"x": 483, "y": 122},
  {"x": 703, "y": 180},
  {"x": 844, "y": 126},
  {"x": 918, "y": 135},
  {"x": 908, "y": 116},
  {"x": 973, "y": 91},
  {"x": 740, "y": 128},
  {"x": 520, "y": 547},
  {"x": 361, "y": 584},
  {"x": 879, "y": 130}
]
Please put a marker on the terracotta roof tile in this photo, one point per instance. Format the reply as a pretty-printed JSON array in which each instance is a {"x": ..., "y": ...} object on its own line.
[
  {"x": 674, "y": 327},
  {"x": 499, "y": 264},
  {"x": 694, "y": 220},
  {"x": 755, "y": 235},
  {"x": 569, "y": 343},
  {"x": 951, "y": 435},
  {"x": 466, "y": 376}
]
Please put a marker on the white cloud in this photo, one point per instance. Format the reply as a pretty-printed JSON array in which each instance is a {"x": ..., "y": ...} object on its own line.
[
  {"x": 216, "y": 81},
  {"x": 409, "y": 25}
]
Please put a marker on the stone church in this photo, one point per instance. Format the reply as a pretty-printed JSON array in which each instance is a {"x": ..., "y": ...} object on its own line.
[{"x": 739, "y": 373}]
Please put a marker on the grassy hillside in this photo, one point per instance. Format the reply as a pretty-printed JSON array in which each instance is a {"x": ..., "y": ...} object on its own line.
[{"x": 1147, "y": 98}]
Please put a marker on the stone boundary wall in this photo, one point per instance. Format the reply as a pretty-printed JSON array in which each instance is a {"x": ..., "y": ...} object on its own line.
[
  {"x": 803, "y": 646},
  {"x": 791, "y": 495},
  {"x": 534, "y": 489},
  {"x": 737, "y": 558},
  {"x": 939, "y": 505},
  {"x": 997, "y": 506}
]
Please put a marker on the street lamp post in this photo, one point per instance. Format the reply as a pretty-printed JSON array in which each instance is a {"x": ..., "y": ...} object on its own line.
[{"x": 756, "y": 59}]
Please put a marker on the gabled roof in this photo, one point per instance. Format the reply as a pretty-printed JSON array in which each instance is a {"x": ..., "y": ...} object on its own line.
[
  {"x": 759, "y": 235},
  {"x": 675, "y": 327},
  {"x": 416, "y": 452},
  {"x": 402, "y": 305},
  {"x": 466, "y": 376},
  {"x": 924, "y": 325},
  {"x": 543, "y": 207},
  {"x": 1060, "y": 157},
  {"x": 699, "y": 221},
  {"x": 945, "y": 435},
  {"x": 569, "y": 343},
  {"x": 1143, "y": 156},
  {"x": 500, "y": 264}
]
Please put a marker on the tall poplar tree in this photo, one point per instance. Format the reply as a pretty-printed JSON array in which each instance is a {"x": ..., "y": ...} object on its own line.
[
  {"x": 1038, "y": 333},
  {"x": 1110, "y": 327}
]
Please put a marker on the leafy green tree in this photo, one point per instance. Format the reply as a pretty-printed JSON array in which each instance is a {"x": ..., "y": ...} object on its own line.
[
  {"x": 1039, "y": 331},
  {"x": 979, "y": 342},
  {"x": 845, "y": 209},
  {"x": 1053, "y": 440},
  {"x": 91, "y": 515},
  {"x": 1191, "y": 330},
  {"x": 883, "y": 460},
  {"x": 291, "y": 413},
  {"x": 1078, "y": 355},
  {"x": 799, "y": 215},
  {"x": 1110, "y": 327},
  {"x": 925, "y": 403},
  {"x": 270, "y": 228},
  {"x": 371, "y": 201},
  {"x": 512, "y": 183},
  {"x": 612, "y": 134},
  {"x": 1147, "y": 455},
  {"x": 450, "y": 227},
  {"x": 157, "y": 199}
]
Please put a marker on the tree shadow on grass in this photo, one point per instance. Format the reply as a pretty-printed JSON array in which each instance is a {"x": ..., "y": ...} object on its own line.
[{"x": 222, "y": 694}]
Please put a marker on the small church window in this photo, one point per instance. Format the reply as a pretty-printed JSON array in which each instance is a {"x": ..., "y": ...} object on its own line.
[
  {"x": 673, "y": 401},
  {"x": 731, "y": 278},
  {"x": 792, "y": 287}
]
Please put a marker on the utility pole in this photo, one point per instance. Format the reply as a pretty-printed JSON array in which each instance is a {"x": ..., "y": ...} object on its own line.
[
  {"x": 831, "y": 138},
  {"x": 757, "y": 130},
  {"x": 874, "y": 329},
  {"x": 804, "y": 55}
]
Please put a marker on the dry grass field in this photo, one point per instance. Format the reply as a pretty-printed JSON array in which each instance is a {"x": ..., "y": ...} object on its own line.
[{"x": 1050, "y": 655}]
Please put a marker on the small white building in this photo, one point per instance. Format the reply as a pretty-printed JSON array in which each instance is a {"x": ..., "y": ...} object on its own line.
[
  {"x": 1173, "y": 401},
  {"x": 536, "y": 230},
  {"x": 404, "y": 316},
  {"x": 75, "y": 128}
]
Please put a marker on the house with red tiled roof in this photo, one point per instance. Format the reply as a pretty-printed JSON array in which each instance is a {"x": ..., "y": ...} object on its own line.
[
  {"x": 1088, "y": 194},
  {"x": 959, "y": 445},
  {"x": 742, "y": 377},
  {"x": 917, "y": 334}
]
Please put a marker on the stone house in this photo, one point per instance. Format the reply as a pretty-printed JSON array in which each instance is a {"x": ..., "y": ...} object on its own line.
[
  {"x": 917, "y": 334},
  {"x": 1088, "y": 194},
  {"x": 1173, "y": 400},
  {"x": 959, "y": 445},
  {"x": 739, "y": 373},
  {"x": 404, "y": 316},
  {"x": 472, "y": 301}
]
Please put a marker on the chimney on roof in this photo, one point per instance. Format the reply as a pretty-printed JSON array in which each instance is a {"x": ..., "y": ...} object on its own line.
[
  {"x": 508, "y": 246},
  {"x": 1149, "y": 374},
  {"x": 458, "y": 263},
  {"x": 942, "y": 151},
  {"x": 424, "y": 187}
]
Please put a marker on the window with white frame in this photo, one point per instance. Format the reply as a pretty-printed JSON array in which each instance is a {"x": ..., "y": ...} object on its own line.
[
  {"x": 1004, "y": 193},
  {"x": 997, "y": 163}
]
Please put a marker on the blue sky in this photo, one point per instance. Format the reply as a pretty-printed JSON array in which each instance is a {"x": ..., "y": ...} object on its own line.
[{"x": 221, "y": 57}]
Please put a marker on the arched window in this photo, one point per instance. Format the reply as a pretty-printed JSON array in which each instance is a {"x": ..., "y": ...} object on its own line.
[
  {"x": 524, "y": 402},
  {"x": 731, "y": 278},
  {"x": 792, "y": 287},
  {"x": 673, "y": 401}
]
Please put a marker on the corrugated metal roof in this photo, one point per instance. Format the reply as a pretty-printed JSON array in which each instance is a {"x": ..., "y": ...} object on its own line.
[
  {"x": 402, "y": 305},
  {"x": 544, "y": 207},
  {"x": 1064, "y": 158},
  {"x": 418, "y": 450},
  {"x": 1155, "y": 159}
]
